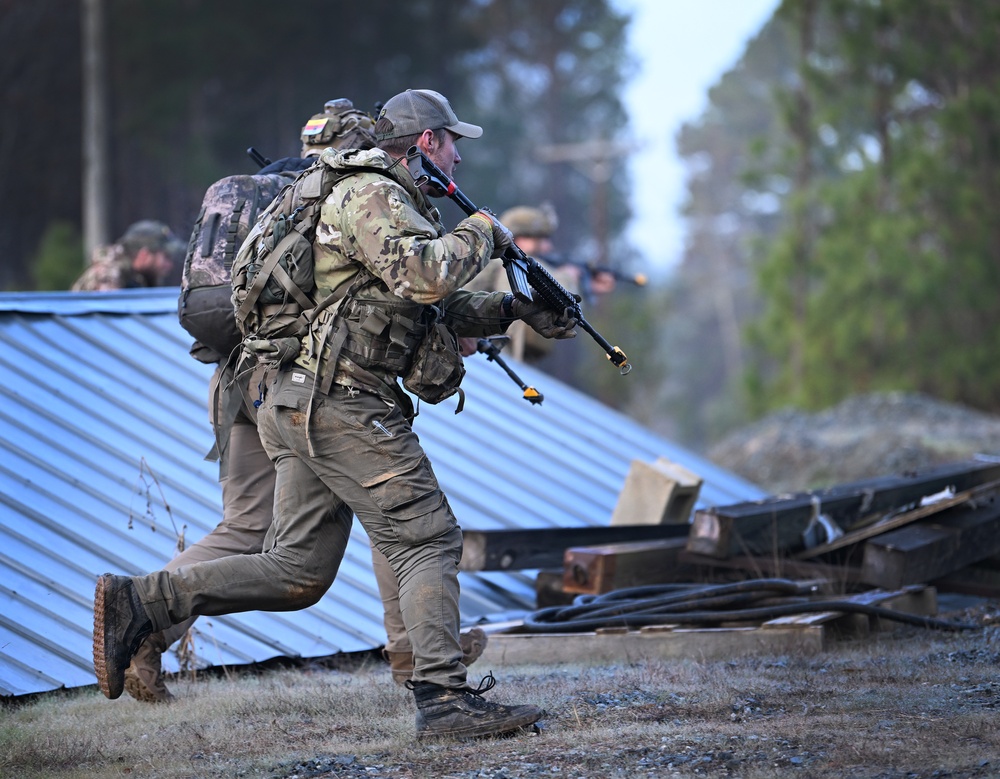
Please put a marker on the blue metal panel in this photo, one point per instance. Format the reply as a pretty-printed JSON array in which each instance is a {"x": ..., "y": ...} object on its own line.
[{"x": 103, "y": 429}]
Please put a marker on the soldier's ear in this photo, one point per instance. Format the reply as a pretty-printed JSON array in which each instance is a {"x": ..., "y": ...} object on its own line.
[{"x": 427, "y": 142}]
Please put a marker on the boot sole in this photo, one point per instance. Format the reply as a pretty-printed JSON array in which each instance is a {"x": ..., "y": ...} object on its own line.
[
  {"x": 138, "y": 689},
  {"x": 484, "y": 730},
  {"x": 100, "y": 659}
]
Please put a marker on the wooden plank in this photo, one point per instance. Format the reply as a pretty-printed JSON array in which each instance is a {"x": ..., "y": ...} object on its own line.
[
  {"x": 597, "y": 648},
  {"x": 915, "y": 599},
  {"x": 595, "y": 570},
  {"x": 930, "y": 549},
  {"x": 775, "y": 525},
  {"x": 509, "y": 645},
  {"x": 509, "y": 550},
  {"x": 900, "y": 520},
  {"x": 657, "y": 493}
]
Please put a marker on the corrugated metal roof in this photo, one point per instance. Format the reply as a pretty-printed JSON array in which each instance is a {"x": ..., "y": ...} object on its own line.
[{"x": 103, "y": 426}]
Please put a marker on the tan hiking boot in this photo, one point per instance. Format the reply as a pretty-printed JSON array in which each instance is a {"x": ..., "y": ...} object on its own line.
[
  {"x": 120, "y": 625},
  {"x": 144, "y": 676},
  {"x": 472, "y": 642},
  {"x": 448, "y": 713}
]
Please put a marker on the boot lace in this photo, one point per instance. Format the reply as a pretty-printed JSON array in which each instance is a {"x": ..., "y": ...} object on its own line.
[{"x": 486, "y": 684}]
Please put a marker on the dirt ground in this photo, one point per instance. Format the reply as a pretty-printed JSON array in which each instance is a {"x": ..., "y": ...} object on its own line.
[
  {"x": 908, "y": 703},
  {"x": 905, "y": 703}
]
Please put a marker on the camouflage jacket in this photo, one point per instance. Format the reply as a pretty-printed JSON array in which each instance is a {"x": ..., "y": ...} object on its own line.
[
  {"x": 378, "y": 221},
  {"x": 110, "y": 268}
]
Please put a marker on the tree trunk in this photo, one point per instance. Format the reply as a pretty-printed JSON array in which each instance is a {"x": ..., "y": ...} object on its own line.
[{"x": 96, "y": 177}]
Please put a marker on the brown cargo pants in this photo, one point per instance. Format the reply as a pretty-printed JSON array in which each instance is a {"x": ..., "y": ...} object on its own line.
[
  {"x": 367, "y": 456},
  {"x": 247, "y": 478}
]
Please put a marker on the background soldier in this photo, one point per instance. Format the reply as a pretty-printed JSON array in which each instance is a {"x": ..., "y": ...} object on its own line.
[
  {"x": 533, "y": 228},
  {"x": 147, "y": 255}
]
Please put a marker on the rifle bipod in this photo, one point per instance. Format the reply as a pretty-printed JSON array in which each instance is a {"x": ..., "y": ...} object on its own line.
[{"x": 491, "y": 347}]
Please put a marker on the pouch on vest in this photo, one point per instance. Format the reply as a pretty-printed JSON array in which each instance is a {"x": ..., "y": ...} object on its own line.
[{"x": 437, "y": 369}]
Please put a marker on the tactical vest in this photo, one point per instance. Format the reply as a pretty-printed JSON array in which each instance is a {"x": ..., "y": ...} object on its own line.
[{"x": 360, "y": 328}]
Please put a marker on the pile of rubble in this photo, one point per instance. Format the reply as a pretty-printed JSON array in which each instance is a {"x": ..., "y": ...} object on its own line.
[{"x": 864, "y": 437}]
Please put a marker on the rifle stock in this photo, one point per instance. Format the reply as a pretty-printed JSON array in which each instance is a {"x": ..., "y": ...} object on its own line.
[{"x": 526, "y": 275}]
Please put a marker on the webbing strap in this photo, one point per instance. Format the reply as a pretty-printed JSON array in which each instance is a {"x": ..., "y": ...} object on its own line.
[
  {"x": 189, "y": 256},
  {"x": 292, "y": 288},
  {"x": 267, "y": 269},
  {"x": 234, "y": 226},
  {"x": 208, "y": 234}
]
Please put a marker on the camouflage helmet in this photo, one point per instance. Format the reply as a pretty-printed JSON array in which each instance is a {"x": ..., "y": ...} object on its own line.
[
  {"x": 341, "y": 125},
  {"x": 531, "y": 222},
  {"x": 152, "y": 235}
]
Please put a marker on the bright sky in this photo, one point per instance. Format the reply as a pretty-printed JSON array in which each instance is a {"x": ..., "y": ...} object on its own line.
[{"x": 683, "y": 47}]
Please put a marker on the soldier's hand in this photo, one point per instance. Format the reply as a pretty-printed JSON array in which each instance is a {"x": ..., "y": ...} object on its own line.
[
  {"x": 502, "y": 237},
  {"x": 543, "y": 320}
]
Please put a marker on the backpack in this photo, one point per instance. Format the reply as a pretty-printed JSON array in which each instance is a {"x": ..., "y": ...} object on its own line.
[
  {"x": 272, "y": 276},
  {"x": 229, "y": 209},
  {"x": 274, "y": 293}
]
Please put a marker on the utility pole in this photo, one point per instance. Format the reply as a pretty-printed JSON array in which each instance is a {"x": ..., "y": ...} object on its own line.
[
  {"x": 594, "y": 159},
  {"x": 96, "y": 187}
]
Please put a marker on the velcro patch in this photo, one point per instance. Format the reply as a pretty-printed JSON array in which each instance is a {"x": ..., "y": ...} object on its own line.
[{"x": 314, "y": 126}]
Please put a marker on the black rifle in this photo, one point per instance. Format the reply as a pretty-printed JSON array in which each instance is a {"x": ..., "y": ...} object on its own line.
[
  {"x": 491, "y": 348},
  {"x": 257, "y": 157},
  {"x": 590, "y": 270},
  {"x": 524, "y": 273}
]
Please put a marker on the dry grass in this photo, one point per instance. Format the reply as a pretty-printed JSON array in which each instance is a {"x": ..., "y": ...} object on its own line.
[{"x": 910, "y": 703}]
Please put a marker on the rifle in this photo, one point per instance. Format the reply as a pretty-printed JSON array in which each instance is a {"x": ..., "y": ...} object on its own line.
[
  {"x": 258, "y": 158},
  {"x": 491, "y": 348},
  {"x": 591, "y": 270},
  {"x": 524, "y": 273}
]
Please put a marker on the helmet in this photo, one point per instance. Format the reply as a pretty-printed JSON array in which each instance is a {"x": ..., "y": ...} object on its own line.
[
  {"x": 152, "y": 235},
  {"x": 531, "y": 222},
  {"x": 340, "y": 125}
]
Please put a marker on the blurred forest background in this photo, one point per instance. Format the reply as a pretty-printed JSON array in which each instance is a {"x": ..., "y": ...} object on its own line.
[{"x": 841, "y": 181}]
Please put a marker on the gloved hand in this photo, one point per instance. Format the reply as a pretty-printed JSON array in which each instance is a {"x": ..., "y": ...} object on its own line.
[
  {"x": 502, "y": 237},
  {"x": 543, "y": 320}
]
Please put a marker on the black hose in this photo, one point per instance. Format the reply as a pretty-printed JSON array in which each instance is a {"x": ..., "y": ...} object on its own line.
[{"x": 696, "y": 604}]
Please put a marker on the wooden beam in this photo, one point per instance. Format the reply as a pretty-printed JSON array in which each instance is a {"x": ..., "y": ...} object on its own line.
[
  {"x": 549, "y": 589},
  {"x": 900, "y": 520},
  {"x": 595, "y": 570},
  {"x": 511, "y": 550},
  {"x": 774, "y": 525},
  {"x": 657, "y": 493},
  {"x": 981, "y": 579},
  {"x": 934, "y": 548}
]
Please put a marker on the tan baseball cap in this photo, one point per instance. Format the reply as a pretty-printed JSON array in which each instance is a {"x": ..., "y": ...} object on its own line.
[{"x": 415, "y": 110}]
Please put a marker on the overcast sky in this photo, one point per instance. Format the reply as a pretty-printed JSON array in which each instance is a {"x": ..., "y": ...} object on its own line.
[{"x": 683, "y": 47}]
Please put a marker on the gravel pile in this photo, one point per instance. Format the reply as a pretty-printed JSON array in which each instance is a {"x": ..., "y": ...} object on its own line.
[{"x": 864, "y": 437}]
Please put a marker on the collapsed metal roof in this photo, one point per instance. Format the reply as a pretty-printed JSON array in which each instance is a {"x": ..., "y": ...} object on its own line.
[{"x": 103, "y": 432}]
